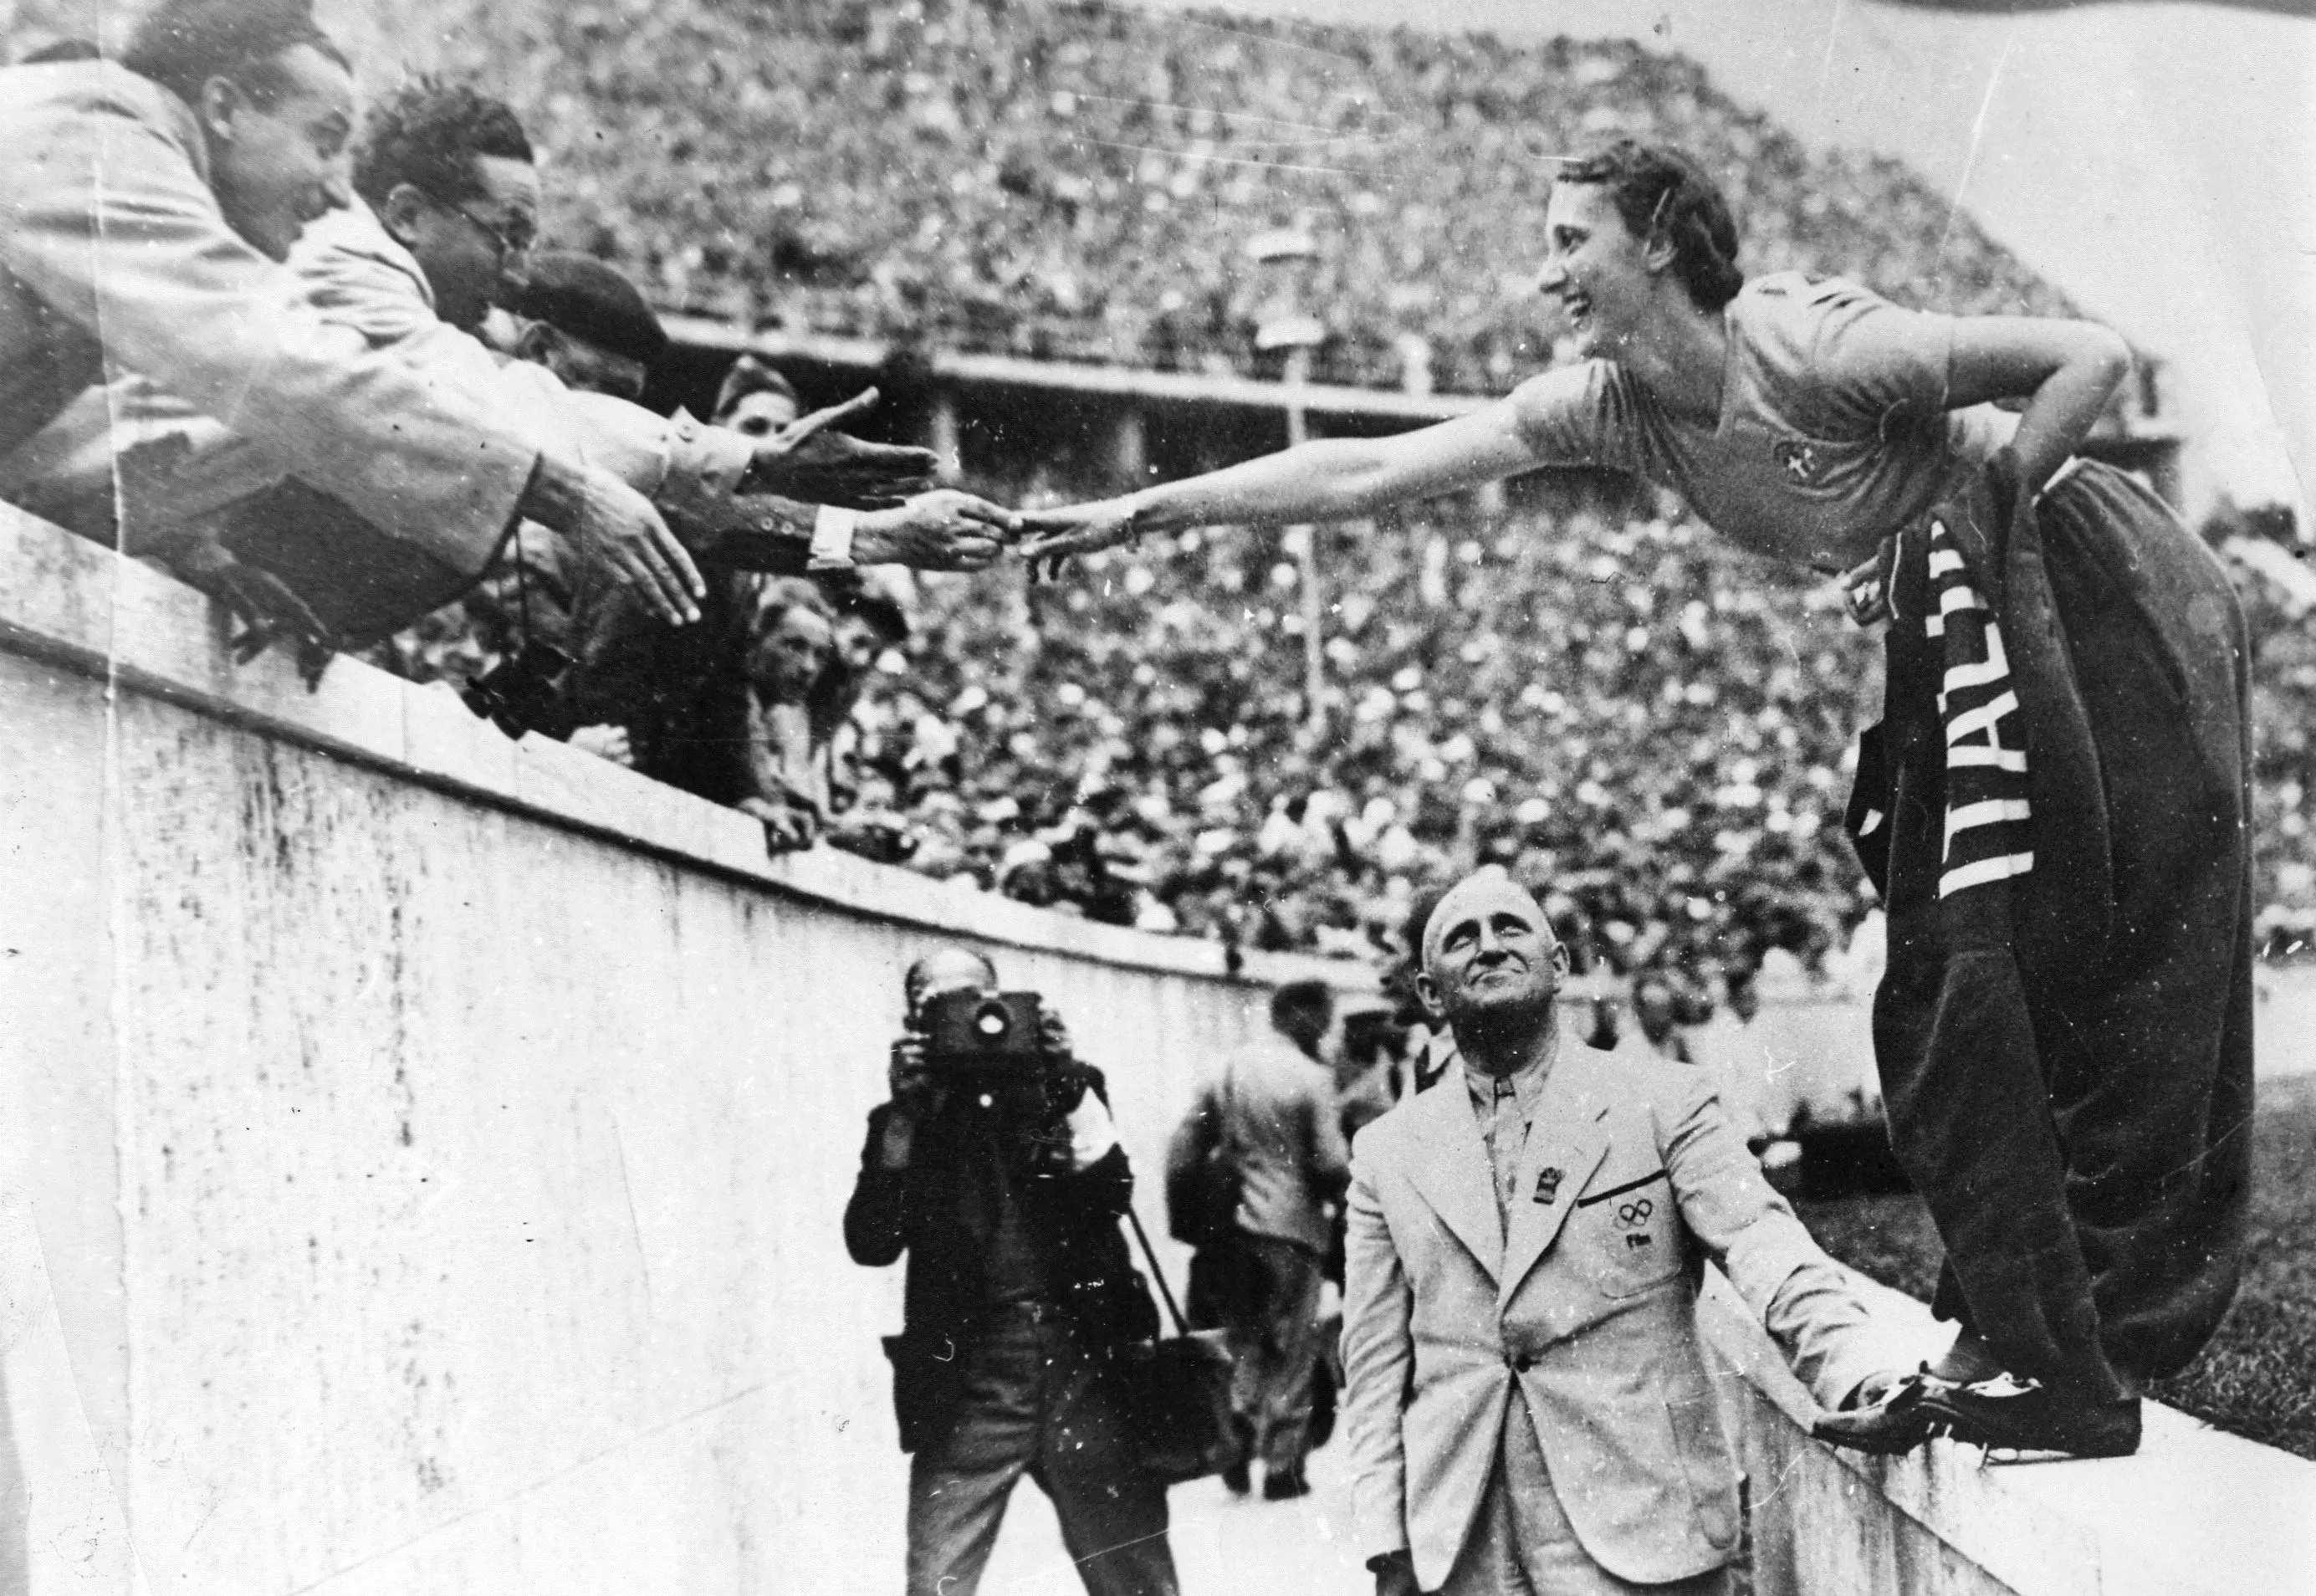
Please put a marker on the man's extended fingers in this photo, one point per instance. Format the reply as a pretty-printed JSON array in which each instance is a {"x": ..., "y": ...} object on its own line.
[
  {"x": 805, "y": 426},
  {"x": 672, "y": 549},
  {"x": 657, "y": 566},
  {"x": 1040, "y": 546},
  {"x": 821, "y": 419},
  {"x": 655, "y": 577},
  {"x": 981, "y": 510}
]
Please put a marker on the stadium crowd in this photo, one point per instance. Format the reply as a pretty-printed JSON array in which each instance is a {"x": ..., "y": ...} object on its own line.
[
  {"x": 1080, "y": 182},
  {"x": 1515, "y": 692}
]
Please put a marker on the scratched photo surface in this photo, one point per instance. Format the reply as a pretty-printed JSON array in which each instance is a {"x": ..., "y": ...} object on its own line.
[{"x": 427, "y": 1140}]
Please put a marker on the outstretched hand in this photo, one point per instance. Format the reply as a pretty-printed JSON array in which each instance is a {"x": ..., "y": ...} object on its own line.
[
  {"x": 1053, "y": 538},
  {"x": 809, "y": 461},
  {"x": 941, "y": 531}
]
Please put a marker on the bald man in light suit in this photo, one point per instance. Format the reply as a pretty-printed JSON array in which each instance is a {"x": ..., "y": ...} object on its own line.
[{"x": 1528, "y": 1406}]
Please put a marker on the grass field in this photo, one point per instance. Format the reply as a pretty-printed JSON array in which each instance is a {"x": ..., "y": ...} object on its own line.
[{"x": 2257, "y": 1378}]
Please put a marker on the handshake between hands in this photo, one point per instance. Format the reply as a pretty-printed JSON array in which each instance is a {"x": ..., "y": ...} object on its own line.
[
  {"x": 904, "y": 519},
  {"x": 909, "y": 522},
  {"x": 949, "y": 531}
]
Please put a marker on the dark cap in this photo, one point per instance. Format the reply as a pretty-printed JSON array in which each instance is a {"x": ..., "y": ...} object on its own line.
[{"x": 579, "y": 295}]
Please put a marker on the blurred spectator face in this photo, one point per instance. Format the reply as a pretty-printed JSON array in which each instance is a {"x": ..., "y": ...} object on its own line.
[
  {"x": 860, "y": 642},
  {"x": 1595, "y": 269},
  {"x": 759, "y": 414},
  {"x": 582, "y": 366},
  {"x": 277, "y": 151},
  {"x": 1303, "y": 1011},
  {"x": 474, "y": 250},
  {"x": 1653, "y": 1007},
  {"x": 790, "y": 655},
  {"x": 1371, "y": 1036}
]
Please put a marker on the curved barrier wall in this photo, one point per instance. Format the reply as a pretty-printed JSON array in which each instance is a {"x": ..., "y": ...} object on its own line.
[
  {"x": 437, "y": 1144},
  {"x": 422, "y": 1153}
]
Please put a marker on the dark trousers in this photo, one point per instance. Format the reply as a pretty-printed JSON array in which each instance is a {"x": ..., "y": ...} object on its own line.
[
  {"x": 1032, "y": 1403},
  {"x": 2067, "y": 1061},
  {"x": 1274, "y": 1340}
]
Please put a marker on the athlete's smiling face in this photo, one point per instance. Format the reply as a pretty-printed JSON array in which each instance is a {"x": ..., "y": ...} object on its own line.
[{"x": 1596, "y": 269}]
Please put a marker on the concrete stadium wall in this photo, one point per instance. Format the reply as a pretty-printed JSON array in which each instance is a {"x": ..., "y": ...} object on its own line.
[
  {"x": 421, "y": 1158},
  {"x": 432, "y": 1146}
]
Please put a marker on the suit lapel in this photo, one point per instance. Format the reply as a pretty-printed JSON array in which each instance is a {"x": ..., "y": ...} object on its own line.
[
  {"x": 1565, "y": 1147},
  {"x": 1448, "y": 1164}
]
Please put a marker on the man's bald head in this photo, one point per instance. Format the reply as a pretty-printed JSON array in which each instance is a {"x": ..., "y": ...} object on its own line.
[
  {"x": 950, "y": 969},
  {"x": 1482, "y": 889},
  {"x": 1492, "y": 966}
]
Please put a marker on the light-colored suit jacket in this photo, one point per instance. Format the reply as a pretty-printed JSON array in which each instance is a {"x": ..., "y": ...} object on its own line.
[
  {"x": 351, "y": 272},
  {"x": 116, "y": 260},
  {"x": 1632, "y": 1179},
  {"x": 1274, "y": 1111}
]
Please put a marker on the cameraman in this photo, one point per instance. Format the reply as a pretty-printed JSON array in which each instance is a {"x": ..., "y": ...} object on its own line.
[{"x": 1004, "y": 1182}]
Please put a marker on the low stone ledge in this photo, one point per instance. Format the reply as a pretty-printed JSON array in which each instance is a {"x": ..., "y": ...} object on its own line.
[
  {"x": 79, "y": 605},
  {"x": 2195, "y": 1512}
]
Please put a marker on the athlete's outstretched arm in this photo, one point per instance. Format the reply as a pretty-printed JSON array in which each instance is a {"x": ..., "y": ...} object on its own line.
[
  {"x": 2064, "y": 369},
  {"x": 1325, "y": 480}
]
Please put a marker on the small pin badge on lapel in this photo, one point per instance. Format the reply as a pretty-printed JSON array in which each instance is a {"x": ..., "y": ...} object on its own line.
[{"x": 1547, "y": 1186}]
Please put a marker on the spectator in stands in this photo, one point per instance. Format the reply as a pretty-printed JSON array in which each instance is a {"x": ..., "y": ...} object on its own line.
[
  {"x": 1655, "y": 1014},
  {"x": 871, "y": 629},
  {"x": 149, "y": 210},
  {"x": 756, "y": 399},
  {"x": 1726, "y": 1046},
  {"x": 1271, "y": 1114},
  {"x": 1373, "y": 1070},
  {"x": 587, "y": 324},
  {"x": 1817, "y": 424},
  {"x": 1020, "y": 1295},
  {"x": 791, "y": 653}
]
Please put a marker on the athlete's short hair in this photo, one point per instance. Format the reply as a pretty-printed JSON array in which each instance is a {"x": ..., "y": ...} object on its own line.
[{"x": 1663, "y": 194}]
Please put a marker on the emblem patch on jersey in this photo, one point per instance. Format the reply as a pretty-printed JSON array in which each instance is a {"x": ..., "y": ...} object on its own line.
[
  {"x": 1547, "y": 1186},
  {"x": 1798, "y": 456}
]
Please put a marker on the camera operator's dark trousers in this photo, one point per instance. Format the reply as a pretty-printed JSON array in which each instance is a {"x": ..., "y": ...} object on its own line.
[
  {"x": 2066, "y": 1047},
  {"x": 1032, "y": 1403}
]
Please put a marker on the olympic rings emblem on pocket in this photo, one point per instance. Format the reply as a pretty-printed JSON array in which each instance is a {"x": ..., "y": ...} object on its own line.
[{"x": 1635, "y": 1212}]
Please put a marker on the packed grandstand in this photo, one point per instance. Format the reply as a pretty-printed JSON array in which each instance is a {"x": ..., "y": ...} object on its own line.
[{"x": 1080, "y": 182}]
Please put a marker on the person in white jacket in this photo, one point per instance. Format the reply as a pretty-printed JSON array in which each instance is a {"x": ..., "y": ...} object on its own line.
[
  {"x": 1528, "y": 1402},
  {"x": 150, "y": 202}
]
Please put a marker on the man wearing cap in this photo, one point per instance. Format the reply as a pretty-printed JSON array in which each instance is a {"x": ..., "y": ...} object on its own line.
[
  {"x": 588, "y": 324},
  {"x": 1529, "y": 1405}
]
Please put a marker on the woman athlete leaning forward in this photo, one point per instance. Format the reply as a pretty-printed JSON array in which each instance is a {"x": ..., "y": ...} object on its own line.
[{"x": 2065, "y": 1049}]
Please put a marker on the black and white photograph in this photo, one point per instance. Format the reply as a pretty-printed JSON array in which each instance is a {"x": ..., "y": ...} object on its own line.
[{"x": 1162, "y": 798}]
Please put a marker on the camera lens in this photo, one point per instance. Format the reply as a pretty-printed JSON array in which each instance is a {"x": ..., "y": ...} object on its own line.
[{"x": 992, "y": 1021}]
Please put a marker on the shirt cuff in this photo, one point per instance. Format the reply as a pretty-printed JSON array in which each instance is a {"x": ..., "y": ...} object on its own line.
[
  {"x": 710, "y": 459},
  {"x": 1092, "y": 1132}
]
